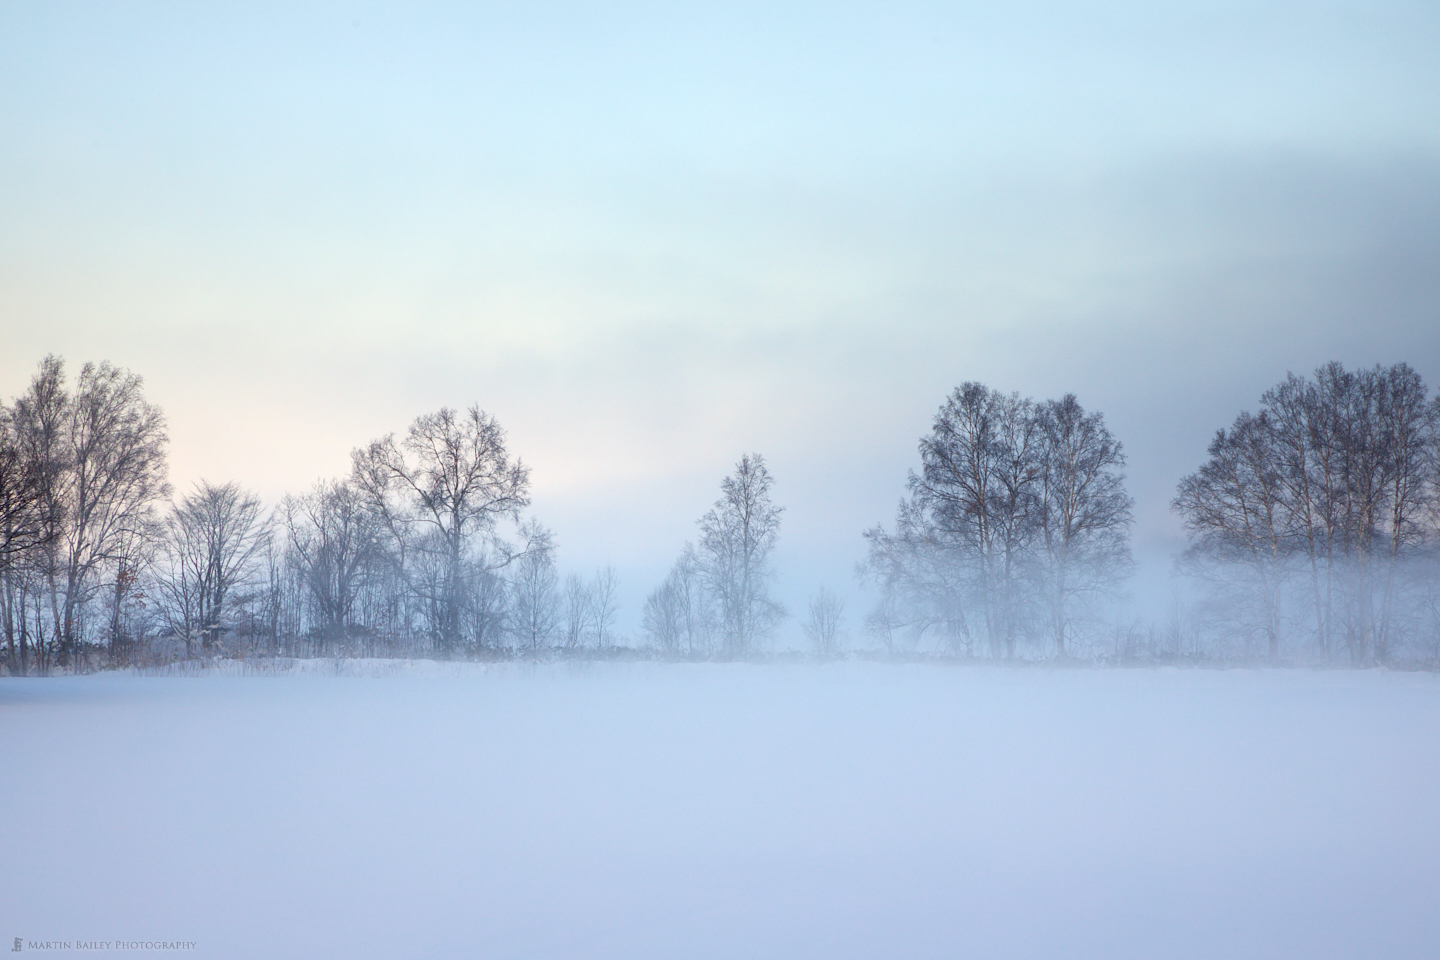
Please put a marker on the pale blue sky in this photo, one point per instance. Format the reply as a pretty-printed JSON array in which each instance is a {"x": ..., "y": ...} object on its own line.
[{"x": 650, "y": 238}]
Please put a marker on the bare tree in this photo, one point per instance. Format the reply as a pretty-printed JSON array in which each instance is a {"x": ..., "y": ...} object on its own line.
[
  {"x": 1017, "y": 516},
  {"x": 737, "y": 537},
  {"x": 1084, "y": 512},
  {"x": 441, "y": 493},
  {"x": 41, "y": 419},
  {"x": 534, "y": 589},
  {"x": 1240, "y": 526},
  {"x": 1406, "y": 431},
  {"x": 577, "y": 611},
  {"x": 823, "y": 628},
  {"x": 977, "y": 486},
  {"x": 678, "y": 615},
  {"x": 1333, "y": 477},
  {"x": 128, "y": 606},
  {"x": 924, "y": 583},
  {"x": 102, "y": 451},
  {"x": 23, "y": 485},
  {"x": 214, "y": 537},
  {"x": 335, "y": 540},
  {"x": 486, "y": 606},
  {"x": 662, "y": 618},
  {"x": 961, "y": 550},
  {"x": 25, "y": 530},
  {"x": 604, "y": 604}
]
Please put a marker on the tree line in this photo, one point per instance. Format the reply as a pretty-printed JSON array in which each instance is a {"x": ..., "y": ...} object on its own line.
[
  {"x": 422, "y": 550},
  {"x": 1313, "y": 530}
]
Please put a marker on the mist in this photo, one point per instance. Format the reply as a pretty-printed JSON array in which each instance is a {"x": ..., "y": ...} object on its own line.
[{"x": 756, "y": 479}]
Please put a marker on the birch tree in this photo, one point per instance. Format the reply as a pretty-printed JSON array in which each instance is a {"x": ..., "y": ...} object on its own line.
[
  {"x": 1016, "y": 519},
  {"x": 1084, "y": 513},
  {"x": 102, "y": 448},
  {"x": 1328, "y": 494},
  {"x": 215, "y": 537},
  {"x": 441, "y": 492},
  {"x": 679, "y": 614},
  {"x": 534, "y": 592},
  {"x": 737, "y": 537},
  {"x": 335, "y": 540}
]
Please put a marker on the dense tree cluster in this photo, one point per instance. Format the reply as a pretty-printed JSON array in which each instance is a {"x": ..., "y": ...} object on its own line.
[
  {"x": 1314, "y": 522},
  {"x": 1017, "y": 522},
  {"x": 85, "y": 478}
]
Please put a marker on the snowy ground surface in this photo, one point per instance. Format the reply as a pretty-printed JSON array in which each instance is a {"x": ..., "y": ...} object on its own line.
[{"x": 647, "y": 810}]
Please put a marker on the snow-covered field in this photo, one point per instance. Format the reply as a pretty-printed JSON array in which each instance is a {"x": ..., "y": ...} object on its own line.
[{"x": 647, "y": 810}]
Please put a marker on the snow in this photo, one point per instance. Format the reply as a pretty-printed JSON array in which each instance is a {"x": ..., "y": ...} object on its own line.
[{"x": 706, "y": 810}]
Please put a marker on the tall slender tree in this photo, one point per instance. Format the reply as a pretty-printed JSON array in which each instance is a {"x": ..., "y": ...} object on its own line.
[
  {"x": 534, "y": 592},
  {"x": 737, "y": 537},
  {"x": 1084, "y": 512}
]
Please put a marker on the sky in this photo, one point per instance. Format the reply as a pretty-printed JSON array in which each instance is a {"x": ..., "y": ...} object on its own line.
[{"x": 650, "y": 238}]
